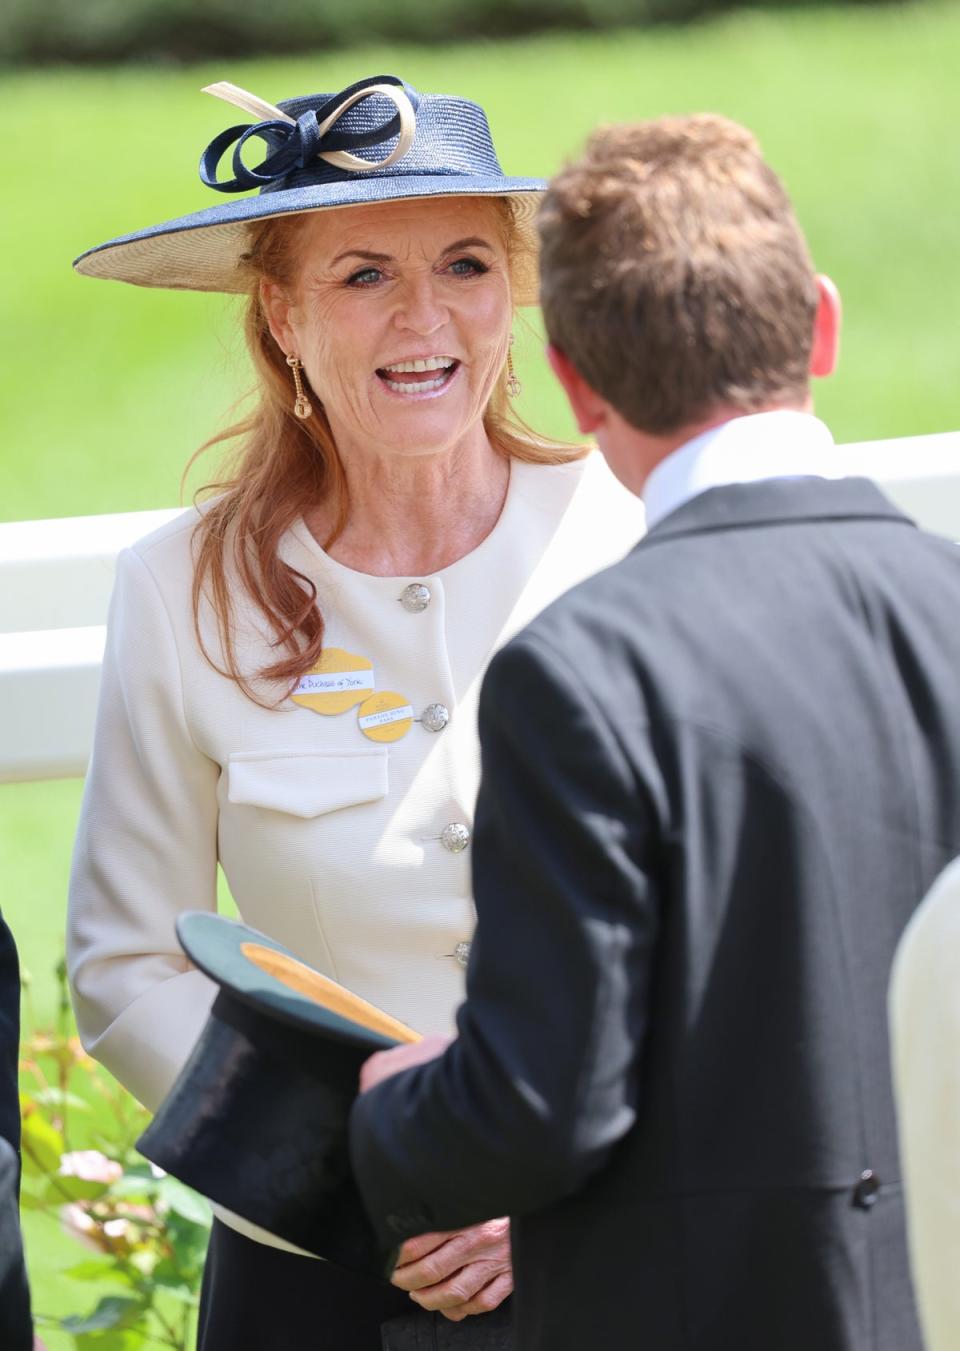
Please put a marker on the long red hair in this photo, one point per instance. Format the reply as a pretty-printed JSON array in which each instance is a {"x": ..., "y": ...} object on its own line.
[{"x": 278, "y": 466}]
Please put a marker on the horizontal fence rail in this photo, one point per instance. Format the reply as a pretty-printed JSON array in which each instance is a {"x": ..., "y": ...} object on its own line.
[{"x": 56, "y": 577}]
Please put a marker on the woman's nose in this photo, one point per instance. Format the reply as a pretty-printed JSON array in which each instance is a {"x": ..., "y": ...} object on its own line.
[{"x": 421, "y": 308}]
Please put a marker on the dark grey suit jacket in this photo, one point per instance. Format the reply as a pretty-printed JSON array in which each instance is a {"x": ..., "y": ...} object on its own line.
[{"x": 717, "y": 779}]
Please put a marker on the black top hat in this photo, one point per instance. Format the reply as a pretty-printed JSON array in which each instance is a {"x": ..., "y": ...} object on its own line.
[{"x": 257, "y": 1120}]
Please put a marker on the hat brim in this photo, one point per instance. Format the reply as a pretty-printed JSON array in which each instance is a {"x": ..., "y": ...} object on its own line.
[
  {"x": 203, "y": 251},
  {"x": 284, "y": 989}
]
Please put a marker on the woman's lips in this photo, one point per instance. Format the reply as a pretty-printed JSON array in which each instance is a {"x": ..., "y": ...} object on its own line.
[{"x": 418, "y": 384}]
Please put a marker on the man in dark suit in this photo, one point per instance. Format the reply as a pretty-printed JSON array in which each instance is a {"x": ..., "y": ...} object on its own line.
[
  {"x": 717, "y": 779},
  {"x": 15, "y": 1326}
]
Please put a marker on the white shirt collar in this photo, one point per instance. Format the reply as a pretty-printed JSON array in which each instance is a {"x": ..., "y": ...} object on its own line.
[{"x": 781, "y": 444}]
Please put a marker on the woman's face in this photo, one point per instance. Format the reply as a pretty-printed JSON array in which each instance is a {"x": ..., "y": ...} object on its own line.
[{"x": 400, "y": 313}]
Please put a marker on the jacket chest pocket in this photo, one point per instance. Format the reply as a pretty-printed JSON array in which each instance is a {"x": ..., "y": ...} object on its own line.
[{"x": 307, "y": 783}]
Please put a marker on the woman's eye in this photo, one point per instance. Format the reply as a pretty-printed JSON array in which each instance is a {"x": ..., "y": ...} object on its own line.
[
  {"x": 367, "y": 276},
  {"x": 468, "y": 267}
]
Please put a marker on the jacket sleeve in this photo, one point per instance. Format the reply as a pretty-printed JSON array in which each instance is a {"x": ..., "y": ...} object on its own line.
[
  {"x": 543, "y": 1079},
  {"x": 146, "y": 850}
]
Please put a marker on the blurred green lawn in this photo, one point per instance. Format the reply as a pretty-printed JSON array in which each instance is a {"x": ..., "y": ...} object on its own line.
[{"x": 107, "y": 389}]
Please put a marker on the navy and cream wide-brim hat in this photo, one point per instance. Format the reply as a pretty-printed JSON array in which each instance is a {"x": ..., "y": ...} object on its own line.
[{"x": 377, "y": 141}]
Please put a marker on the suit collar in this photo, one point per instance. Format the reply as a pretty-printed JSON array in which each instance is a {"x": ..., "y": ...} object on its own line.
[
  {"x": 737, "y": 506},
  {"x": 780, "y": 443}
]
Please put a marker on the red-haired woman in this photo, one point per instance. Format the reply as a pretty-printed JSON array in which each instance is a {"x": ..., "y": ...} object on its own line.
[{"x": 290, "y": 682}]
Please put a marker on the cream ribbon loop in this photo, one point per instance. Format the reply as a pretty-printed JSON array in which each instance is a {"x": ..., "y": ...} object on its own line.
[{"x": 340, "y": 159}]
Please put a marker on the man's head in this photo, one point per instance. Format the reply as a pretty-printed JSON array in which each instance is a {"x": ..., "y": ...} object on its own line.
[{"x": 675, "y": 279}]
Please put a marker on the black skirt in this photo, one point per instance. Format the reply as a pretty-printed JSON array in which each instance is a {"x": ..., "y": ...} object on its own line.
[{"x": 256, "y": 1298}]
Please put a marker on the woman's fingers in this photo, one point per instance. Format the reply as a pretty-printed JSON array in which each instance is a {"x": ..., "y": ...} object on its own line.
[
  {"x": 384, "y": 1064},
  {"x": 473, "y": 1289},
  {"x": 418, "y": 1247},
  {"x": 485, "y": 1301},
  {"x": 432, "y": 1258}
]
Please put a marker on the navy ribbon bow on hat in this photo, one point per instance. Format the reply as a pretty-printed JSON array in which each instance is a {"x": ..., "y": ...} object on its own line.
[{"x": 310, "y": 136}]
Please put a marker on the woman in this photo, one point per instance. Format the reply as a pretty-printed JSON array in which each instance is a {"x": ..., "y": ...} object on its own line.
[{"x": 290, "y": 682}]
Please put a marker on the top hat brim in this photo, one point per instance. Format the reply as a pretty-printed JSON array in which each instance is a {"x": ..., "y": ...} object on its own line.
[
  {"x": 203, "y": 251},
  {"x": 237, "y": 958},
  {"x": 258, "y": 1119}
]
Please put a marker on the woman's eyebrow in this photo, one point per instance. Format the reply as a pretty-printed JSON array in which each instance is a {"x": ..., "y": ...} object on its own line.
[
  {"x": 366, "y": 256},
  {"x": 472, "y": 242}
]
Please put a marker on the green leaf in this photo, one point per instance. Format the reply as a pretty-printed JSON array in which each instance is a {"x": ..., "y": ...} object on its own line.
[
  {"x": 184, "y": 1202},
  {"x": 60, "y": 1190},
  {"x": 143, "y": 1189},
  {"x": 181, "y": 1293},
  {"x": 30, "y": 1201},
  {"x": 131, "y": 1339},
  {"x": 113, "y": 1311},
  {"x": 42, "y": 1145},
  {"x": 96, "y": 1269},
  {"x": 57, "y": 1097}
]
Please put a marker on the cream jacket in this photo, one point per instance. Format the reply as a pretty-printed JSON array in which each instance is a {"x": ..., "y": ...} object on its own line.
[
  {"x": 925, "y": 1038},
  {"x": 331, "y": 843}
]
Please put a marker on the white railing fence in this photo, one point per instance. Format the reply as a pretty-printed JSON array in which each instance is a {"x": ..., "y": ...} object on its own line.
[{"x": 56, "y": 577}]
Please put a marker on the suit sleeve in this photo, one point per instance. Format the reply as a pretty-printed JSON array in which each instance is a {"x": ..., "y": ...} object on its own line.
[
  {"x": 543, "y": 1079},
  {"x": 146, "y": 849}
]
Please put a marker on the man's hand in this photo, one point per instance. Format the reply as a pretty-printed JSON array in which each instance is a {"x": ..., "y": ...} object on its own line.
[
  {"x": 385, "y": 1064},
  {"x": 461, "y": 1273}
]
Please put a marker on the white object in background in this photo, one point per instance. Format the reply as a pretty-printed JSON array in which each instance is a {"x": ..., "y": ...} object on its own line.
[
  {"x": 57, "y": 575},
  {"x": 925, "y": 1042}
]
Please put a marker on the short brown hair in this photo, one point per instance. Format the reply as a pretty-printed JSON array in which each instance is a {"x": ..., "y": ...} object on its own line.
[{"x": 675, "y": 277}]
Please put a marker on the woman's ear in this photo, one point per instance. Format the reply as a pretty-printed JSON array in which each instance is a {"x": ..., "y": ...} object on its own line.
[
  {"x": 277, "y": 309},
  {"x": 826, "y": 329}
]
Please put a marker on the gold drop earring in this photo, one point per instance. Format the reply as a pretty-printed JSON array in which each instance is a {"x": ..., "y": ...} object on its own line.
[
  {"x": 301, "y": 404},
  {"x": 514, "y": 386}
]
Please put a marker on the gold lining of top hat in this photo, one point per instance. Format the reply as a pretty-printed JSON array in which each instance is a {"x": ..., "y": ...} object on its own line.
[{"x": 325, "y": 992}]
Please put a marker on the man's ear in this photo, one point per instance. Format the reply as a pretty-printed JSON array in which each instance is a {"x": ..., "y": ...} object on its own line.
[
  {"x": 826, "y": 329},
  {"x": 276, "y": 307},
  {"x": 589, "y": 408}
]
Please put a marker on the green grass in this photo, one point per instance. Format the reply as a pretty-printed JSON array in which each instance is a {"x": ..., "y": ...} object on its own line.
[{"x": 107, "y": 389}]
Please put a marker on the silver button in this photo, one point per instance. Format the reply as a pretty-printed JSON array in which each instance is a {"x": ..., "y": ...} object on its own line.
[
  {"x": 462, "y": 952},
  {"x": 415, "y": 597},
  {"x": 455, "y": 837},
  {"x": 435, "y": 717}
]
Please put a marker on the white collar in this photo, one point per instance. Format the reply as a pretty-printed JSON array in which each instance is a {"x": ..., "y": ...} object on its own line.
[{"x": 782, "y": 444}]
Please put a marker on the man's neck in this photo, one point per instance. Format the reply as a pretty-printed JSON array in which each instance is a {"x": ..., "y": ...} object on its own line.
[{"x": 634, "y": 454}]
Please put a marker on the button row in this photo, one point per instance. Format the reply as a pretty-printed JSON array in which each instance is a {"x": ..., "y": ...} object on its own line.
[{"x": 455, "y": 837}]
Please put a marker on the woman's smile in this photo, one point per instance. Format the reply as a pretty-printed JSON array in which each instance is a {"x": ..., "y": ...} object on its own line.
[{"x": 420, "y": 377}]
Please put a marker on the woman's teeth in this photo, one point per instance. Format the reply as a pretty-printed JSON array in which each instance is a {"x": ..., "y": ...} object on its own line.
[
  {"x": 421, "y": 364},
  {"x": 413, "y": 377}
]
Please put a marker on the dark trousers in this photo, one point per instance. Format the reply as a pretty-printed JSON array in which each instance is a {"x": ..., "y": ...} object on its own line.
[{"x": 256, "y": 1298}]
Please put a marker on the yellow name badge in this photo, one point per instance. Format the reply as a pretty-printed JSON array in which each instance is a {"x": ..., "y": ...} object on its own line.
[
  {"x": 387, "y": 716},
  {"x": 338, "y": 681}
]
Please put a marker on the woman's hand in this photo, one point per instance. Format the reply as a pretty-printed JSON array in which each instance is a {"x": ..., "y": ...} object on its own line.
[
  {"x": 384, "y": 1064},
  {"x": 461, "y": 1273}
]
